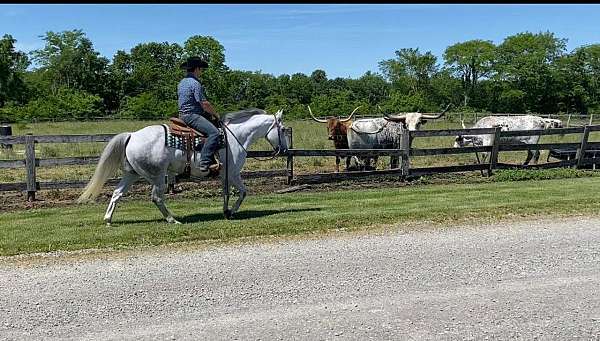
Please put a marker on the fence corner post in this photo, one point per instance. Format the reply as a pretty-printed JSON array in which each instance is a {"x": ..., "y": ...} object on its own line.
[
  {"x": 495, "y": 150},
  {"x": 290, "y": 158},
  {"x": 30, "y": 166},
  {"x": 583, "y": 146}
]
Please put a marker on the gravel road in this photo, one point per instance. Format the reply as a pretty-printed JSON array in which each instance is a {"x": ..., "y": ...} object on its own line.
[{"x": 525, "y": 280}]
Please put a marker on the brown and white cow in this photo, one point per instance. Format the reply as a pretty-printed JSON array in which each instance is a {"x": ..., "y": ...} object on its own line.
[{"x": 337, "y": 131}]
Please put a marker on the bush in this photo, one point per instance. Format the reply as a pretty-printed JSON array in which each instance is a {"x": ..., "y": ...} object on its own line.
[
  {"x": 147, "y": 105},
  {"x": 65, "y": 104}
]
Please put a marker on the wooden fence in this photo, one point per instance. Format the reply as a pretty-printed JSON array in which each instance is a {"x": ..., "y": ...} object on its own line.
[{"x": 405, "y": 152}]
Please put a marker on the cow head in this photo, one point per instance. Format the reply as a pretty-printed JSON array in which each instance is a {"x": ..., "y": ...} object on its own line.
[
  {"x": 414, "y": 120},
  {"x": 551, "y": 123},
  {"x": 337, "y": 128},
  {"x": 463, "y": 141}
]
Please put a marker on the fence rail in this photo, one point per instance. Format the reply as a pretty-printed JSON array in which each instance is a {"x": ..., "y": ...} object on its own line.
[{"x": 404, "y": 152}]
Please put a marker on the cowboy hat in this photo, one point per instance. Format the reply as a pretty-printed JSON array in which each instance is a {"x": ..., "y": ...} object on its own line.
[{"x": 194, "y": 62}]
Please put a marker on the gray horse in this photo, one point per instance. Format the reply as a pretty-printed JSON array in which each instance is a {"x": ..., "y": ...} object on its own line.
[{"x": 144, "y": 154}]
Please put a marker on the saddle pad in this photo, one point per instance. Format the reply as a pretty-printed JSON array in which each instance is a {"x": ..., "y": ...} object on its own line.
[{"x": 176, "y": 141}]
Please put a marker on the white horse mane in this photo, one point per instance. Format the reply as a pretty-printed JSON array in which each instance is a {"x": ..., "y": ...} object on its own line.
[{"x": 243, "y": 115}]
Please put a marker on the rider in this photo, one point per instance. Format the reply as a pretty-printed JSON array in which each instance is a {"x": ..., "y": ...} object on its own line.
[{"x": 197, "y": 112}]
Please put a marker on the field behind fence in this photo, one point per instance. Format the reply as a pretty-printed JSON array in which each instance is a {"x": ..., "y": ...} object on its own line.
[{"x": 69, "y": 161}]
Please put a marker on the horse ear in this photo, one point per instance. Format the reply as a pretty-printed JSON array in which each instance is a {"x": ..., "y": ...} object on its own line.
[{"x": 279, "y": 114}]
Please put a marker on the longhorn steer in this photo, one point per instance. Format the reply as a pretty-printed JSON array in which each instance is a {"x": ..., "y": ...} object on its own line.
[
  {"x": 414, "y": 120},
  {"x": 385, "y": 133},
  {"x": 376, "y": 133},
  {"x": 337, "y": 130},
  {"x": 508, "y": 123}
]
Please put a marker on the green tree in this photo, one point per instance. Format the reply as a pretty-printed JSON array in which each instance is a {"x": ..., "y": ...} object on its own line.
[
  {"x": 68, "y": 60},
  {"x": 301, "y": 88},
  {"x": 578, "y": 75},
  {"x": 470, "y": 61},
  {"x": 526, "y": 61},
  {"x": 411, "y": 70},
  {"x": 13, "y": 64},
  {"x": 370, "y": 88}
]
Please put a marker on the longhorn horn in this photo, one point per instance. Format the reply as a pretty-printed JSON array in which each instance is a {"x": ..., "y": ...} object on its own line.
[
  {"x": 314, "y": 118},
  {"x": 433, "y": 117},
  {"x": 394, "y": 118},
  {"x": 352, "y": 114}
]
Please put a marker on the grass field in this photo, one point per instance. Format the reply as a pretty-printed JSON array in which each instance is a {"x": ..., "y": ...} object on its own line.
[
  {"x": 307, "y": 134},
  {"x": 138, "y": 223}
]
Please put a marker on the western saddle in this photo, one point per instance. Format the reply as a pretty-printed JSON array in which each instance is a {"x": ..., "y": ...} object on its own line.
[{"x": 188, "y": 136}]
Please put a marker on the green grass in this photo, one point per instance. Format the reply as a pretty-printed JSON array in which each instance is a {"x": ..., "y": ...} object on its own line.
[{"x": 138, "y": 223}]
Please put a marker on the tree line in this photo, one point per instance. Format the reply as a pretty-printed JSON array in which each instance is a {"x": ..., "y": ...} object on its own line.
[{"x": 69, "y": 79}]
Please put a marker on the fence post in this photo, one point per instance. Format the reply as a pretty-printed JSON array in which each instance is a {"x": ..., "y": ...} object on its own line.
[
  {"x": 591, "y": 118},
  {"x": 405, "y": 141},
  {"x": 5, "y": 130},
  {"x": 30, "y": 165},
  {"x": 495, "y": 149},
  {"x": 569, "y": 121},
  {"x": 290, "y": 158},
  {"x": 581, "y": 150}
]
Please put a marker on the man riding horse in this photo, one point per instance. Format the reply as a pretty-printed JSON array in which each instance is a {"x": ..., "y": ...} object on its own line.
[{"x": 197, "y": 112}]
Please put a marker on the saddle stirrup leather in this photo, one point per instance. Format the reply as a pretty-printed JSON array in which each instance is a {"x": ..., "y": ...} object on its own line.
[{"x": 188, "y": 135}]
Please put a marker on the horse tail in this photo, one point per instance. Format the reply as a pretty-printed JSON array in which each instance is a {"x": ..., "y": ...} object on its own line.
[{"x": 109, "y": 163}]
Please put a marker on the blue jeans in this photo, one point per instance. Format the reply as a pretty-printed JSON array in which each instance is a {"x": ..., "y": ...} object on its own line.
[{"x": 211, "y": 144}]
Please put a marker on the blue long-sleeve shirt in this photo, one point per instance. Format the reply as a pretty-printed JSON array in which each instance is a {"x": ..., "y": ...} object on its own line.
[{"x": 190, "y": 94}]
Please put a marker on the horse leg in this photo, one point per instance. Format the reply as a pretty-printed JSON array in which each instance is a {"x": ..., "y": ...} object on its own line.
[
  {"x": 239, "y": 185},
  {"x": 158, "y": 198},
  {"x": 122, "y": 187},
  {"x": 337, "y": 164}
]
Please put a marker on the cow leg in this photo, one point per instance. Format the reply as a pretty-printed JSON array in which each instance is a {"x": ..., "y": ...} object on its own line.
[
  {"x": 337, "y": 164},
  {"x": 394, "y": 162},
  {"x": 529, "y": 156},
  {"x": 348, "y": 162},
  {"x": 536, "y": 157},
  {"x": 484, "y": 157}
]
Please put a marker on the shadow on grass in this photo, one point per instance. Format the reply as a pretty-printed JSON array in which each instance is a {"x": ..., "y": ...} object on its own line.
[
  {"x": 241, "y": 215},
  {"x": 199, "y": 217}
]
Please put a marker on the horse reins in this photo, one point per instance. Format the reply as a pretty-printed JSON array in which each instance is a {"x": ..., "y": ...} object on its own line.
[{"x": 276, "y": 151}]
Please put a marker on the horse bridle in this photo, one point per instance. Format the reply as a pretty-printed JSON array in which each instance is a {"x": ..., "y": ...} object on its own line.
[{"x": 276, "y": 151}]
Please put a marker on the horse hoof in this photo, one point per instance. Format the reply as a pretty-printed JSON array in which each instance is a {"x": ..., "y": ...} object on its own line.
[
  {"x": 228, "y": 214},
  {"x": 107, "y": 224},
  {"x": 173, "y": 221}
]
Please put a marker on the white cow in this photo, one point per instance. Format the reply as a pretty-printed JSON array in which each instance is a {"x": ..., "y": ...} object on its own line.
[{"x": 509, "y": 123}]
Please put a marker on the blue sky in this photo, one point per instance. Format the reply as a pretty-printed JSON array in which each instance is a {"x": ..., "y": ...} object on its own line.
[{"x": 343, "y": 40}]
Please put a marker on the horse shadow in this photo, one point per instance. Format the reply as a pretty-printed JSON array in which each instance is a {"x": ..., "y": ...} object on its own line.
[{"x": 241, "y": 215}]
